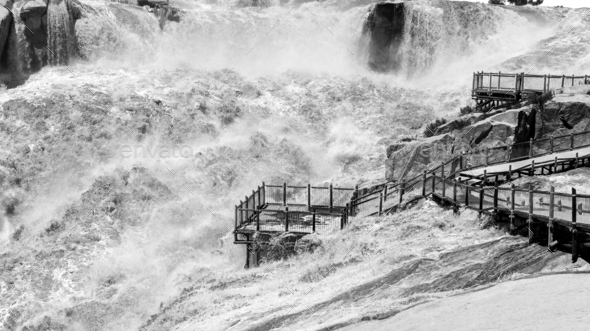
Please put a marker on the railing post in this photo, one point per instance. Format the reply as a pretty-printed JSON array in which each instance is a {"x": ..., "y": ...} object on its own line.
[
  {"x": 576, "y": 166},
  {"x": 490, "y": 88},
  {"x": 380, "y": 203},
  {"x": 402, "y": 188},
  {"x": 555, "y": 165},
  {"x": 424, "y": 183},
  {"x": 531, "y": 153},
  {"x": 551, "y": 144},
  {"x": 509, "y": 156},
  {"x": 385, "y": 193},
  {"x": 442, "y": 175},
  {"x": 532, "y": 172},
  {"x": 571, "y": 141},
  {"x": 236, "y": 218},
  {"x": 455, "y": 190},
  {"x": 286, "y": 219},
  {"x": 313, "y": 222},
  {"x": 257, "y": 219},
  {"x": 563, "y": 81},
  {"x": 466, "y": 195},
  {"x": 461, "y": 161},
  {"x": 574, "y": 228},
  {"x": 544, "y": 83},
  {"x": 342, "y": 221},
  {"x": 263, "y": 194},
  {"x": 496, "y": 197},
  {"x": 259, "y": 196},
  {"x": 551, "y": 215},
  {"x": 573, "y": 80},
  {"x": 485, "y": 178},
  {"x": 308, "y": 196},
  {"x": 332, "y": 197},
  {"x": 346, "y": 214},
  {"x": 509, "y": 172},
  {"x": 512, "y": 205},
  {"x": 481, "y": 192},
  {"x": 241, "y": 212},
  {"x": 284, "y": 194},
  {"x": 434, "y": 181},
  {"x": 549, "y": 83},
  {"x": 499, "y": 75},
  {"x": 531, "y": 212},
  {"x": 356, "y": 196}
]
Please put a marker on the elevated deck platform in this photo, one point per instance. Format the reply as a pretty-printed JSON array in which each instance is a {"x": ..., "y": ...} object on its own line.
[{"x": 491, "y": 89}]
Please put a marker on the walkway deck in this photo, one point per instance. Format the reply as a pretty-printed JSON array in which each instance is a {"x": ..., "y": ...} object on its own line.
[{"x": 547, "y": 162}]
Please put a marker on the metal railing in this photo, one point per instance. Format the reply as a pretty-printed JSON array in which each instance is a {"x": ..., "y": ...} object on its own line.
[{"x": 521, "y": 82}]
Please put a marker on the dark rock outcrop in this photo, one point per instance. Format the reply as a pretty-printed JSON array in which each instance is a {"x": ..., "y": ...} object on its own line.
[
  {"x": 5, "y": 27},
  {"x": 385, "y": 26},
  {"x": 523, "y": 133}
]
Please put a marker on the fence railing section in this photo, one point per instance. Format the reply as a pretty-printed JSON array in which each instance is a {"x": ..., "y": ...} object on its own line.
[
  {"x": 521, "y": 82},
  {"x": 279, "y": 208},
  {"x": 316, "y": 209}
]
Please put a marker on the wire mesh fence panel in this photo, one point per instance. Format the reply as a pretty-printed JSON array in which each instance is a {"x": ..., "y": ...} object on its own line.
[
  {"x": 296, "y": 195},
  {"x": 520, "y": 151},
  {"x": 536, "y": 83},
  {"x": 578, "y": 80},
  {"x": 505, "y": 82},
  {"x": 473, "y": 197},
  {"x": 367, "y": 206},
  {"x": 342, "y": 196},
  {"x": 274, "y": 194},
  {"x": 485, "y": 80},
  {"x": 251, "y": 206},
  {"x": 541, "y": 203},
  {"x": 554, "y": 82},
  {"x": 583, "y": 209},
  {"x": 488, "y": 197},
  {"x": 460, "y": 193},
  {"x": 521, "y": 201},
  {"x": 497, "y": 155},
  {"x": 582, "y": 139},
  {"x": 475, "y": 159},
  {"x": 563, "y": 207},
  {"x": 320, "y": 196},
  {"x": 271, "y": 220},
  {"x": 326, "y": 223},
  {"x": 562, "y": 143}
]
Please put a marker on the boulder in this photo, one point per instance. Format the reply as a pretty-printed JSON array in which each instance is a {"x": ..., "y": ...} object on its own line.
[{"x": 415, "y": 156}]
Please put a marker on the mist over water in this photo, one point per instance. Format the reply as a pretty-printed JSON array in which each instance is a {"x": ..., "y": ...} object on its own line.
[{"x": 275, "y": 93}]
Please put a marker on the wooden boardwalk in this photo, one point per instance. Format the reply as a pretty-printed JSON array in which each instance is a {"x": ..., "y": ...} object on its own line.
[{"x": 550, "y": 163}]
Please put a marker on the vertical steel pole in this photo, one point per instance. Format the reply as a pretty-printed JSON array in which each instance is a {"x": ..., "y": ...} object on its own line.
[
  {"x": 551, "y": 216},
  {"x": 424, "y": 183},
  {"x": 531, "y": 212},
  {"x": 284, "y": 194},
  {"x": 308, "y": 196},
  {"x": 442, "y": 175},
  {"x": 574, "y": 227},
  {"x": 286, "y": 219},
  {"x": 332, "y": 197}
]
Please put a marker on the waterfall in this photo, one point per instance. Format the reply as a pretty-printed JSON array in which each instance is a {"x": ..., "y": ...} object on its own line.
[{"x": 62, "y": 45}]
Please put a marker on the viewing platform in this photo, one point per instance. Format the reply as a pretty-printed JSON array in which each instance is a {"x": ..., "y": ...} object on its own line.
[
  {"x": 493, "y": 89},
  {"x": 296, "y": 209}
]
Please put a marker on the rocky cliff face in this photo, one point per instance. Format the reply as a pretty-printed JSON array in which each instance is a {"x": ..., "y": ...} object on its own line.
[
  {"x": 37, "y": 33},
  {"x": 568, "y": 112}
]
